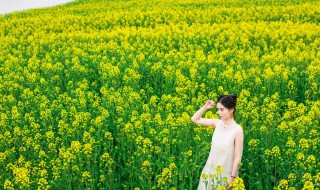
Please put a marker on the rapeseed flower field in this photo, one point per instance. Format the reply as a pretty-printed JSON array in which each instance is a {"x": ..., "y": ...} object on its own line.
[{"x": 99, "y": 94}]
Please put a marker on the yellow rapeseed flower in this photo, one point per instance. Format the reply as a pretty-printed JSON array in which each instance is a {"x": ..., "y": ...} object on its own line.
[
  {"x": 237, "y": 184},
  {"x": 8, "y": 185},
  {"x": 308, "y": 185},
  {"x": 283, "y": 185}
]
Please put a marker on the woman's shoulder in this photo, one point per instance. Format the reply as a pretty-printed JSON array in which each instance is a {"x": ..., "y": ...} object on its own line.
[
  {"x": 239, "y": 128},
  {"x": 217, "y": 122}
]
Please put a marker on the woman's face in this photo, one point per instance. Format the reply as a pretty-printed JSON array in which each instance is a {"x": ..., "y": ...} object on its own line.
[{"x": 223, "y": 112}]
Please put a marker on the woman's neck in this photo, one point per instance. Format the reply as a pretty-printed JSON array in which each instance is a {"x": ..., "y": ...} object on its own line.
[{"x": 229, "y": 121}]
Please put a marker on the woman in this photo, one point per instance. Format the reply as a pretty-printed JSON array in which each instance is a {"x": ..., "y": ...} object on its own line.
[{"x": 227, "y": 144}]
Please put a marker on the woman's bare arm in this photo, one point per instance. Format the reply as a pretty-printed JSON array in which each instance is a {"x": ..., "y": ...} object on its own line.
[
  {"x": 237, "y": 151},
  {"x": 197, "y": 117}
]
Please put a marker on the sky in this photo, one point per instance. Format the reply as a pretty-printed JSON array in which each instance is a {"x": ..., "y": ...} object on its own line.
[{"x": 8, "y": 6}]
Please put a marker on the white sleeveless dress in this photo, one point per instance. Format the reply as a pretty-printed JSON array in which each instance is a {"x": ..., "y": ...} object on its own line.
[{"x": 218, "y": 167}]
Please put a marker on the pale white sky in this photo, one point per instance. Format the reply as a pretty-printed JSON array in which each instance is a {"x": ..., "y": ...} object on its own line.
[{"x": 7, "y": 6}]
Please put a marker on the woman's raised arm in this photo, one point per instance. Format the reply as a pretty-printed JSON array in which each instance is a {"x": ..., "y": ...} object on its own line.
[{"x": 197, "y": 117}]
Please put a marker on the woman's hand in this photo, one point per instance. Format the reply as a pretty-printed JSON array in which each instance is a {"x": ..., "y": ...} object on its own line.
[
  {"x": 209, "y": 104},
  {"x": 230, "y": 180}
]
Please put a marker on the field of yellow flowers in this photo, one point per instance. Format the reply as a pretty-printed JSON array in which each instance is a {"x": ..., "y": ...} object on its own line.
[{"x": 99, "y": 94}]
